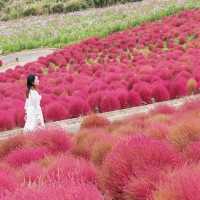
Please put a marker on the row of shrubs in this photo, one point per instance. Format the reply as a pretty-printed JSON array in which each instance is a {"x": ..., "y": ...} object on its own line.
[
  {"x": 22, "y": 9},
  {"x": 150, "y": 156}
]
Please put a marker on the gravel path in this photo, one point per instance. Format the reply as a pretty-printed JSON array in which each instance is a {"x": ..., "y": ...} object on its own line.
[{"x": 21, "y": 58}]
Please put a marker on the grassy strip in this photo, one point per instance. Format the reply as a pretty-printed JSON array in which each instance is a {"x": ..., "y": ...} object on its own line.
[{"x": 85, "y": 27}]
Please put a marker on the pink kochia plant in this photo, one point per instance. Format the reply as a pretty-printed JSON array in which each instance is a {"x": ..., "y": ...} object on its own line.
[
  {"x": 179, "y": 184},
  {"x": 66, "y": 168},
  {"x": 7, "y": 120},
  {"x": 160, "y": 92},
  {"x": 136, "y": 158},
  {"x": 70, "y": 191},
  {"x": 56, "y": 140},
  {"x": 8, "y": 182},
  {"x": 109, "y": 102},
  {"x": 19, "y": 157},
  {"x": 31, "y": 172},
  {"x": 55, "y": 111}
]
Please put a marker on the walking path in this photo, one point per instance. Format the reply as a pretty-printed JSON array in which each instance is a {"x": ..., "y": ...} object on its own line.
[{"x": 23, "y": 57}]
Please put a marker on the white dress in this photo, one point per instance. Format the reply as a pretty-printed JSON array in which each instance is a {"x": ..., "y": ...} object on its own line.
[{"x": 34, "y": 116}]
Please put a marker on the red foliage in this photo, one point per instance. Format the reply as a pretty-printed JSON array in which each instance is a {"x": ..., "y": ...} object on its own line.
[
  {"x": 55, "y": 111},
  {"x": 94, "y": 121},
  {"x": 54, "y": 139},
  {"x": 8, "y": 182},
  {"x": 19, "y": 157},
  {"x": 144, "y": 91},
  {"x": 138, "y": 157},
  {"x": 7, "y": 120},
  {"x": 134, "y": 98},
  {"x": 68, "y": 191},
  {"x": 66, "y": 168},
  {"x": 192, "y": 152},
  {"x": 77, "y": 107},
  {"x": 109, "y": 102},
  {"x": 11, "y": 144},
  {"x": 160, "y": 92},
  {"x": 180, "y": 184}
]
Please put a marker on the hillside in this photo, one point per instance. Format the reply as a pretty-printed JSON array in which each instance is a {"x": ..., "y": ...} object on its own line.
[{"x": 12, "y": 9}]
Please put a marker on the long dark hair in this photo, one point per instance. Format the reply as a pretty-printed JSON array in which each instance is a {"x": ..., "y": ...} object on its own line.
[{"x": 30, "y": 83}]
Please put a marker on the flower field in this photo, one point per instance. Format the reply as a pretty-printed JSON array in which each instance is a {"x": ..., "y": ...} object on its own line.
[
  {"x": 150, "y": 156},
  {"x": 153, "y": 62}
]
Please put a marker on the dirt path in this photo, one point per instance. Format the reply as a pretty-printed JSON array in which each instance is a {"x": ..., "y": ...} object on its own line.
[{"x": 23, "y": 57}]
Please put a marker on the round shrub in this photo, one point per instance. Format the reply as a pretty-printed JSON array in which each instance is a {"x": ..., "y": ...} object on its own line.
[
  {"x": 56, "y": 140},
  {"x": 178, "y": 185},
  {"x": 140, "y": 157},
  {"x": 55, "y": 111},
  {"x": 94, "y": 121},
  {"x": 19, "y": 157},
  {"x": 109, "y": 102},
  {"x": 134, "y": 98}
]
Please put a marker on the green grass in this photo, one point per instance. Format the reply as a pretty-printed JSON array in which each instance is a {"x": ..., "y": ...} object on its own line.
[
  {"x": 13, "y": 9},
  {"x": 78, "y": 28}
]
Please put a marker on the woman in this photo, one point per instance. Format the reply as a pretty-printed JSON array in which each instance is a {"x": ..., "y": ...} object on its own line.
[{"x": 33, "y": 112}]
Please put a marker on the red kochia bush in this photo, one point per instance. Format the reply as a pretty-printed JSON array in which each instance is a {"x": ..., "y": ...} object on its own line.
[
  {"x": 109, "y": 102},
  {"x": 94, "y": 100},
  {"x": 144, "y": 90},
  {"x": 7, "y": 120},
  {"x": 160, "y": 92},
  {"x": 138, "y": 157},
  {"x": 122, "y": 95},
  {"x": 8, "y": 182},
  {"x": 55, "y": 111},
  {"x": 57, "y": 59},
  {"x": 94, "y": 121},
  {"x": 19, "y": 157},
  {"x": 178, "y": 88},
  {"x": 55, "y": 191},
  {"x": 1, "y": 63},
  {"x": 192, "y": 152},
  {"x": 134, "y": 98},
  {"x": 8, "y": 145},
  {"x": 66, "y": 168},
  {"x": 31, "y": 172},
  {"x": 181, "y": 184},
  {"x": 54, "y": 139},
  {"x": 138, "y": 188},
  {"x": 77, "y": 107}
]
